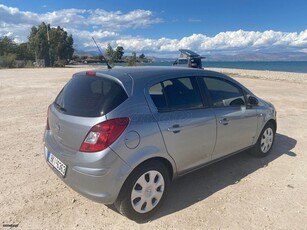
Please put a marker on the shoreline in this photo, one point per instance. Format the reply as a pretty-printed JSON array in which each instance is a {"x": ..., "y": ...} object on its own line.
[{"x": 290, "y": 77}]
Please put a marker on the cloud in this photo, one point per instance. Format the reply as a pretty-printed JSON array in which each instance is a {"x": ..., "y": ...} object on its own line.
[
  {"x": 118, "y": 21},
  {"x": 108, "y": 27},
  {"x": 76, "y": 19},
  {"x": 83, "y": 38},
  {"x": 81, "y": 17},
  {"x": 225, "y": 41},
  {"x": 11, "y": 15}
]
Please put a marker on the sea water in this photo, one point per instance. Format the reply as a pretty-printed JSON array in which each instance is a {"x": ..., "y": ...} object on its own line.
[{"x": 284, "y": 66}]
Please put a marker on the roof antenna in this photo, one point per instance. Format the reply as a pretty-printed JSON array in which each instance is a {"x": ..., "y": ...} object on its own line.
[{"x": 101, "y": 56}]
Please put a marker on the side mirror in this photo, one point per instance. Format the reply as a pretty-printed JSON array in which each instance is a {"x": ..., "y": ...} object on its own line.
[{"x": 253, "y": 100}]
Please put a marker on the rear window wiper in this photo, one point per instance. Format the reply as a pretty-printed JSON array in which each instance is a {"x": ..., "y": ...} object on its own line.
[{"x": 60, "y": 107}]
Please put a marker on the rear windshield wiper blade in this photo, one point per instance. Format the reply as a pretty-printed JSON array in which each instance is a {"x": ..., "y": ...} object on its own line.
[{"x": 60, "y": 107}]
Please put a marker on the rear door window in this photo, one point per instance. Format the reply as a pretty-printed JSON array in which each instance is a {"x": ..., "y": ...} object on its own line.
[
  {"x": 90, "y": 96},
  {"x": 176, "y": 94}
]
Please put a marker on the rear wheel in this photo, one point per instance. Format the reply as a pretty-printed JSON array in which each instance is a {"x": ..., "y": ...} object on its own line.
[
  {"x": 144, "y": 191},
  {"x": 265, "y": 141}
]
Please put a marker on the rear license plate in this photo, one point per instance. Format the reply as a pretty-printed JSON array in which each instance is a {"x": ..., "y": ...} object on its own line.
[{"x": 57, "y": 164}]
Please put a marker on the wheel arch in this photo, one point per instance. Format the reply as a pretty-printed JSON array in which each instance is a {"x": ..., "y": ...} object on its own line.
[
  {"x": 263, "y": 124},
  {"x": 125, "y": 202},
  {"x": 161, "y": 160},
  {"x": 274, "y": 123},
  {"x": 165, "y": 162},
  {"x": 256, "y": 149},
  {"x": 123, "y": 192}
]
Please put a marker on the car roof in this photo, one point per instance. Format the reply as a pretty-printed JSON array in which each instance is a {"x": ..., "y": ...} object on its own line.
[
  {"x": 146, "y": 72},
  {"x": 142, "y": 75}
]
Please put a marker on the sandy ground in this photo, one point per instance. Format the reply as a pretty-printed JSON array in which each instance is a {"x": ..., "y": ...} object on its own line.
[{"x": 240, "y": 192}]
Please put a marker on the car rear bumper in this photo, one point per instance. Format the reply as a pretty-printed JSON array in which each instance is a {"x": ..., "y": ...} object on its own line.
[{"x": 97, "y": 176}]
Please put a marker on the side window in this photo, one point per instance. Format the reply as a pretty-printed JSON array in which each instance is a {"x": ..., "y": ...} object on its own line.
[
  {"x": 176, "y": 94},
  {"x": 157, "y": 95},
  {"x": 223, "y": 93},
  {"x": 183, "y": 61}
]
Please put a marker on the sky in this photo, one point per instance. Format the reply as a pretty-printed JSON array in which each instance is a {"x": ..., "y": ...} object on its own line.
[{"x": 161, "y": 27}]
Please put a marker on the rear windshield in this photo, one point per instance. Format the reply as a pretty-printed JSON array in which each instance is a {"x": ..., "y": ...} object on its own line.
[{"x": 89, "y": 96}]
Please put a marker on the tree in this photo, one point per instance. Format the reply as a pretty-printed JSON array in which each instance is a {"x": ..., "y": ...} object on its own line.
[
  {"x": 8, "y": 60},
  {"x": 119, "y": 52},
  {"x": 51, "y": 44},
  {"x": 7, "y": 45},
  {"x": 38, "y": 42},
  {"x": 33, "y": 42},
  {"x": 23, "y": 52},
  {"x": 142, "y": 56},
  {"x": 109, "y": 53},
  {"x": 61, "y": 45},
  {"x": 131, "y": 61},
  {"x": 7, "y": 52}
]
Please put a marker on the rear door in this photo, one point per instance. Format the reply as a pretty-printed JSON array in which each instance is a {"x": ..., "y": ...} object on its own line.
[
  {"x": 236, "y": 123},
  {"x": 186, "y": 122}
]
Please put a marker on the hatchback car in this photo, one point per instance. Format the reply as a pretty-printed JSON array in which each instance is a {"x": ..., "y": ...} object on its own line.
[{"x": 120, "y": 136}]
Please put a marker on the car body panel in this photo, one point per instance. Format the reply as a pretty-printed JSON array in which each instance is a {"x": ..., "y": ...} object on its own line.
[
  {"x": 235, "y": 129},
  {"x": 97, "y": 176},
  {"x": 70, "y": 131},
  {"x": 189, "y": 136}
]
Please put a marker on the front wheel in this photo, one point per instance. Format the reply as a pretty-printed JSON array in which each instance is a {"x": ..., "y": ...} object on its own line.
[
  {"x": 265, "y": 141},
  {"x": 144, "y": 191}
]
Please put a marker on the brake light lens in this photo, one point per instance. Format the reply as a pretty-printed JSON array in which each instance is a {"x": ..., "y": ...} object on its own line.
[
  {"x": 102, "y": 135},
  {"x": 91, "y": 73}
]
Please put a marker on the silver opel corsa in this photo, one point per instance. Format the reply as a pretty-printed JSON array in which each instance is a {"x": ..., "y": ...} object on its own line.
[{"x": 120, "y": 136}]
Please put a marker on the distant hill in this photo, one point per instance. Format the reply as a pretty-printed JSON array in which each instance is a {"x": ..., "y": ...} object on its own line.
[
  {"x": 253, "y": 56},
  {"x": 280, "y": 56},
  {"x": 86, "y": 53}
]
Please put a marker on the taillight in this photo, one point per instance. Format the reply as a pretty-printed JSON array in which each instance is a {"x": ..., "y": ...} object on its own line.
[
  {"x": 91, "y": 73},
  {"x": 104, "y": 134},
  {"x": 47, "y": 122}
]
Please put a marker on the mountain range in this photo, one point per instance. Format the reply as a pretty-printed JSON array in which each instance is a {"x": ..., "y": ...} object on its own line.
[
  {"x": 258, "y": 56},
  {"x": 252, "y": 56}
]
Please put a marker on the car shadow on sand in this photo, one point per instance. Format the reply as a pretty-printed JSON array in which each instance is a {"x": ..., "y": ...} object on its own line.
[{"x": 198, "y": 185}]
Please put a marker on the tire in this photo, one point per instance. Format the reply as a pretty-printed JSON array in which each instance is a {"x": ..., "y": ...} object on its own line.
[
  {"x": 144, "y": 191},
  {"x": 265, "y": 141}
]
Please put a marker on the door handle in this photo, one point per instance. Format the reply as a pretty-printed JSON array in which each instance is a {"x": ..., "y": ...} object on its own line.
[
  {"x": 175, "y": 128},
  {"x": 224, "y": 121}
]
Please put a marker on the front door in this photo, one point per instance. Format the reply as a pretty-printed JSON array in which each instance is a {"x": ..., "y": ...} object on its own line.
[
  {"x": 236, "y": 124},
  {"x": 236, "y": 129}
]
